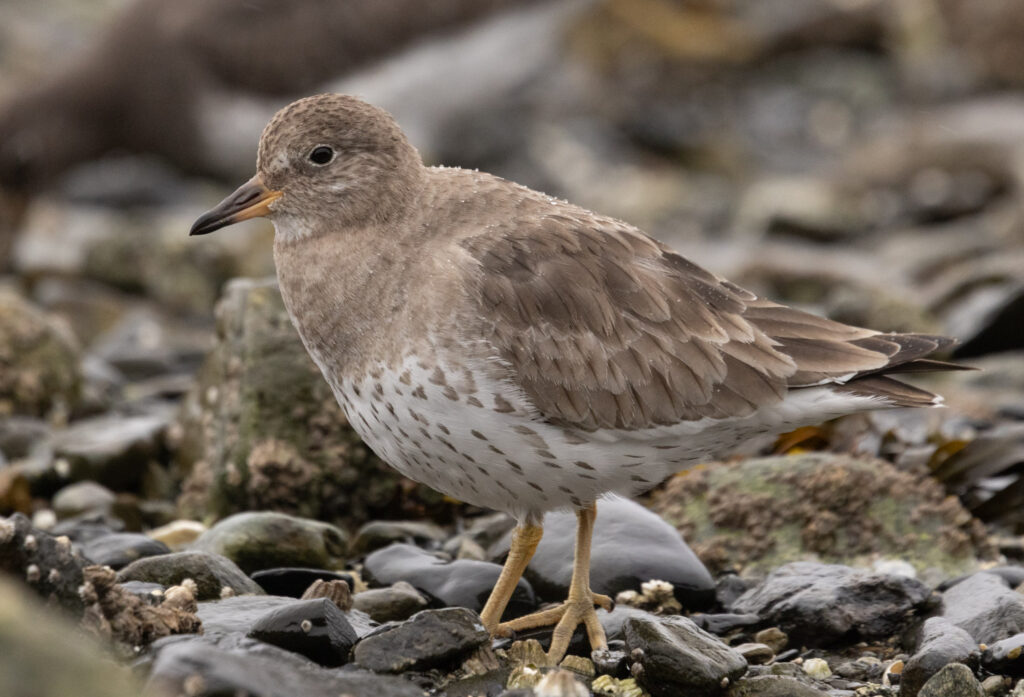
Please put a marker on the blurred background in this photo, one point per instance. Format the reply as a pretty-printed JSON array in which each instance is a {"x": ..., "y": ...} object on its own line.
[{"x": 860, "y": 158}]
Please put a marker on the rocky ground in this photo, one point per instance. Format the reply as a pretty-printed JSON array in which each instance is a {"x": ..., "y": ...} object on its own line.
[{"x": 185, "y": 511}]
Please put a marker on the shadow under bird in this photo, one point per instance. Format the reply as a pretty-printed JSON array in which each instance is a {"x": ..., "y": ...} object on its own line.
[{"x": 523, "y": 354}]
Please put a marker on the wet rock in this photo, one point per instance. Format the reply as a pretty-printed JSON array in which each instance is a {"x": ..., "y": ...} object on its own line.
[
  {"x": 1005, "y": 657},
  {"x": 429, "y": 639},
  {"x": 237, "y": 615},
  {"x": 381, "y": 533},
  {"x": 397, "y": 602},
  {"x": 954, "y": 680},
  {"x": 121, "y": 549},
  {"x": 82, "y": 497},
  {"x": 721, "y": 624},
  {"x": 760, "y": 513},
  {"x": 985, "y": 607},
  {"x": 293, "y": 582},
  {"x": 631, "y": 545},
  {"x": 773, "y": 686},
  {"x": 39, "y": 660},
  {"x": 460, "y": 583},
  {"x": 317, "y": 629},
  {"x": 213, "y": 574},
  {"x": 113, "y": 613},
  {"x": 46, "y": 563},
  {"x": 262, "y": 429},
  {"x": 1012, "y": 575},
  {"x": 39, "y": 363},
  {"x": 203, "y": 668},
  {"x": 671, "y": 655},
  {"x": 941, "y": 643},
  {"x": 112, "y": 450},
  {"x": 822, "y": 604},
  {"x": 178, "y": 534},
  {"x": 263, "y": 540}
]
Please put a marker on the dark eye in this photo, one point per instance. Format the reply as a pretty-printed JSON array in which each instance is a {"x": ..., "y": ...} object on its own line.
[{"x": 321, "y": 155}]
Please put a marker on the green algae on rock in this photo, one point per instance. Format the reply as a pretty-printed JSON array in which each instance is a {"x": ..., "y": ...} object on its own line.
[
  {"x": 757, "y": 514},
  {"x": 263, "y": 430}
]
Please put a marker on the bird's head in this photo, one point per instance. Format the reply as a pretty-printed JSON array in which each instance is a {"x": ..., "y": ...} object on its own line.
[{"x": 325, "y": 163}]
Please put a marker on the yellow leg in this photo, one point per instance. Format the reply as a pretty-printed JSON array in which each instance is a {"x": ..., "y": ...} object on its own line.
[
  {"x": 579, "y": 606},
  {"x": 525, "y": 539}
]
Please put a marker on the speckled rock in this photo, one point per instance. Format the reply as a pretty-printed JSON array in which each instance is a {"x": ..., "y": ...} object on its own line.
[
  {"x": 39, "y": 660},
  {"x": 39, "y": 363},
  {"x": 428, "y": 639},
  {"x": 821, "y": 604},
  {"x": 46, "y": 563},
  {"x": 317, "y": 629},
  {"x": 757, "y": 514},
  {"x": 262, "y": 429},
  {"x": 954, "y": 680},
  {"x": 985, "y": 607},
  {"x": 460, "y": 583},
  {"x": 941, "y": 643},
  {"x": 262, "y": 540},
  {"x": 672, "y": 656},
  {"x": 631, "y": 545},
  {"x": 213, "y": 574}
]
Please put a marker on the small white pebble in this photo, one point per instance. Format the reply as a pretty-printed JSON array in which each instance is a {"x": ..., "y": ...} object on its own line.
[
  {"x": 44, "y": 519},
  {"x": 62, "y": 467},
  {"x": 817, "y": 668},
  {"x": 307, "y": 626}
]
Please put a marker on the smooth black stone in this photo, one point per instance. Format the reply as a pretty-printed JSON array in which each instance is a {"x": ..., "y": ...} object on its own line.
[
  {"x": 246, "y": 666},
  {"x": 723, "y": 623},
  {"x": 1012, "y": 575},
  {"x": 827, "y": 604},
  {"x": 631, "y": 545},
  {"x": 986, "y": 607},
  {"x": 677, "y": 657},
  {"x": 428, "y": 639},
  {"x": 460, "y": 583},
  {"x": 316, "y": 628},
  {"x": 1005, "y": 657},
  {"x": 293, "y": 581},
  {"x": 238, "y": 615},
  {"x": 211, "y": 573},
  {"x": 941, "y": 643},
  {"x": 122, "y": 548},
  {"x": 729, "y": 588},
  {"x": 381, "y": 533},
  {"x": 394, "y": 603}
]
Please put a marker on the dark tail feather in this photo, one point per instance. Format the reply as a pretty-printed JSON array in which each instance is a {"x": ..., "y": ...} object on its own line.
[{"x": 897, "y": 393}]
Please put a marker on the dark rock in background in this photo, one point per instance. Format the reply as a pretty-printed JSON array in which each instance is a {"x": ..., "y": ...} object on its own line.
[
  {"x": 212, "y": 574},
  {"x": 294, "y": 581},
  {"x": 985, "y": 607},
  {"x": 121, "y": 549}
]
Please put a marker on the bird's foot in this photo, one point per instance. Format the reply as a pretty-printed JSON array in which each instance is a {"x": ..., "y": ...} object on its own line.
[{"x": 577, "y": 609}]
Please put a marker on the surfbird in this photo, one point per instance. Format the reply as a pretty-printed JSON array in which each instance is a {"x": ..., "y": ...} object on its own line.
[{"x": 523, "y": 354}]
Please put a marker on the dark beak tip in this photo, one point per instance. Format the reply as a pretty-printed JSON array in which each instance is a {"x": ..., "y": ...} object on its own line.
[{"x": 205, "y": 224}]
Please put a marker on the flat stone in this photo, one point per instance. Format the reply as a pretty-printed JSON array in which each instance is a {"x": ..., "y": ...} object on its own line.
[
  {"x": 121, "y": 549},
  {"x": 941, "y": 643},
  {"x": 397, "y": 602},
  {"x": 317, "y": 629},
  {"x": 773, "y": 686},
  {"x": 236, "y": 616},
  {"x": 264, "y": 540},
  {"x": 212, "y": 573},
  {"x": 112, "y": 450},
  {"x": 381, "y": 533},
  {"x": 675, "y": 657},
  {"x": 631, "y": 545},
  {"x": 260, "y": 670},
  {"x": 460, "y": 583},
  {"x": 429, "y": 639},
  {"x": 823, "y": 604},
  {"x": 954, "y": 680},
  {"x": 82, "y": 497},
  {"x": 985, "y": 607},
  {"x": 294, "y": 581}
]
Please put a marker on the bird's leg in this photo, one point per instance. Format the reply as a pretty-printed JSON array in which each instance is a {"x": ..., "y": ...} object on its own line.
[
  {"x": 579, "y": 606},
  {"x": 525, "y": 539}
]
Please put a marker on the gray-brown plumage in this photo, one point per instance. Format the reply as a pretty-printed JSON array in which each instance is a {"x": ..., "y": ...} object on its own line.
[{"x": 524, "y": 354}]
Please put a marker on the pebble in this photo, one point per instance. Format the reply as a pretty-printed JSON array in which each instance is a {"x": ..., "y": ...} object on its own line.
[
  {"x": 381, "y": 533},
  {"x": 1005, "y": 657},
  {"x": 774, "y": 686},
  {"x": 954, "y": 680},
  {"x": 429, "y": 639},
  {"x": 821, "y": 604},
  {"x": 724, "y": 623},
  {"x": 178, "y": 534},
  {"x": 294, "y": 581},
  {"x": 985, "y": 607},
  {"x": 121, "y": 549},
  {"x": 941, "y": 643},
  {"x": 317, "y": 629},
  {"x": 631, "y": 545},
  {"x": 817, "y": 668},
  {"x": 755, "y": 653},
  {"x": 264, "y": 540},
  {"x": 460, "y": 583},
  {"x": 212, "y": 573},
  {"x": 397, "y": 602},
  {"x": 82, "y": 497},
  {"x": 672, "y": 656},
  {"x": 237, "y": 615}
]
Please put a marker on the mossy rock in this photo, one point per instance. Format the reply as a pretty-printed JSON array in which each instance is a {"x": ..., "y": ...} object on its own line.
[
  {"x": 262, "y": 429},
  {"x": 40, "y": 373},
  {"x": 758, "y": 514}
]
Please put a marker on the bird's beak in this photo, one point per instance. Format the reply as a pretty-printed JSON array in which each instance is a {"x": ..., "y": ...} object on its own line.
[{"x": 251, "y": 200}]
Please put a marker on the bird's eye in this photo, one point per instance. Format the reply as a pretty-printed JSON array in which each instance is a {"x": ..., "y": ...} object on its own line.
[{"x": 321, "y": 155}]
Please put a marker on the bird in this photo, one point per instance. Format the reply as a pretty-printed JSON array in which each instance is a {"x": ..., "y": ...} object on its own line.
[{"x": 520, "y": 353}]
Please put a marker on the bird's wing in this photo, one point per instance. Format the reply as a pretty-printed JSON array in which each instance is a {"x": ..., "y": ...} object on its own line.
[{"x": 602, "y": 327}]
